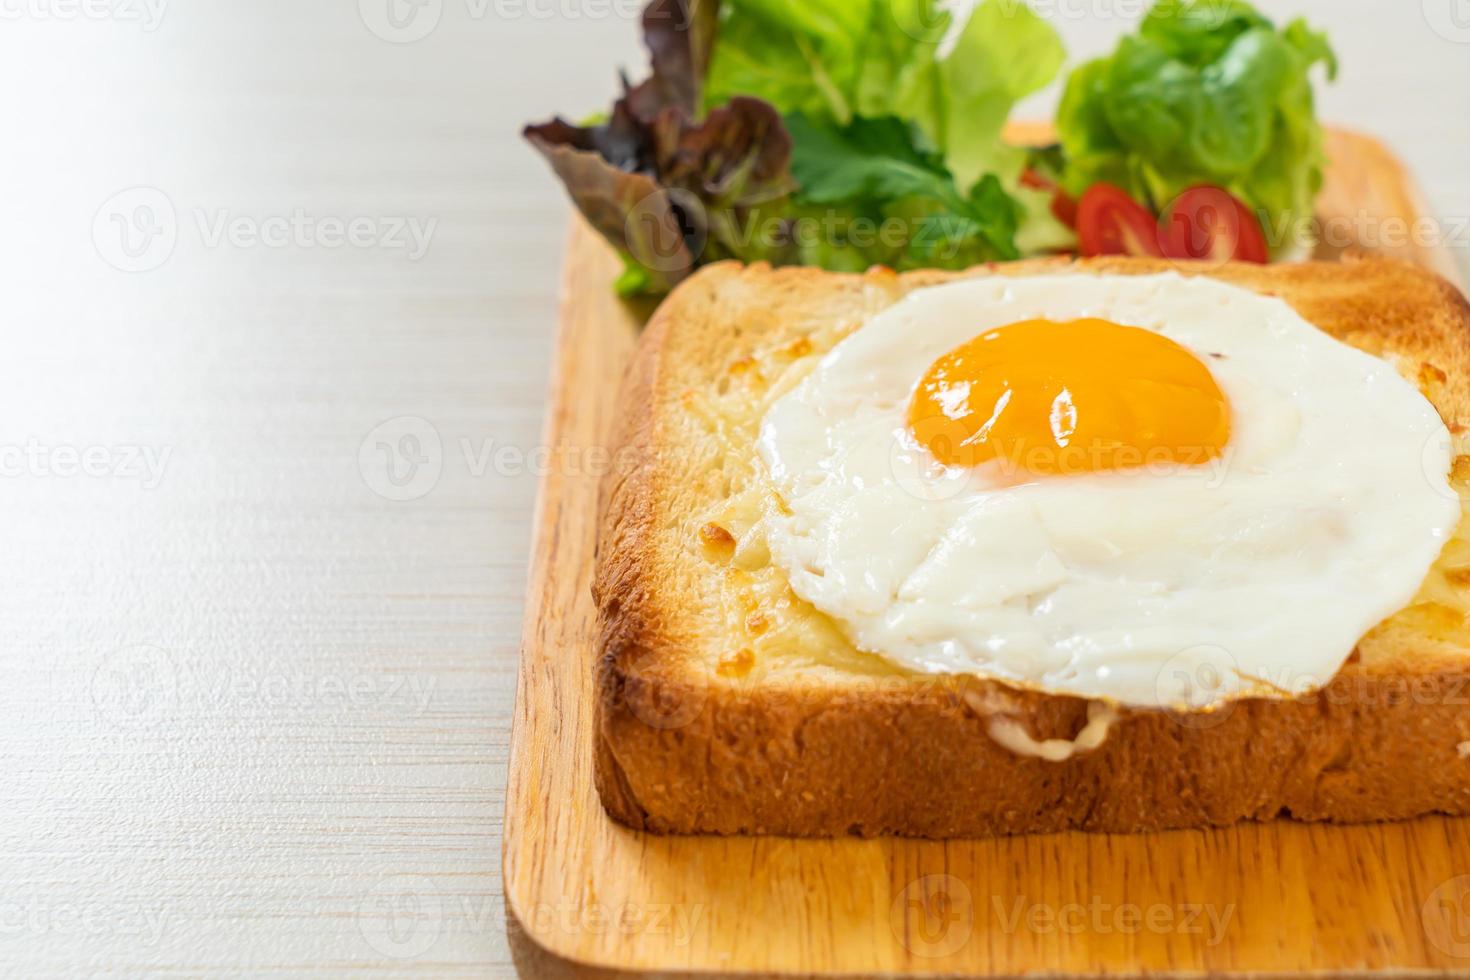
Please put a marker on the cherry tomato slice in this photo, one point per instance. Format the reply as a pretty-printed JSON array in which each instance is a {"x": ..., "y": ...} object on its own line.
[
  {"x": 1063, "y": 207},
  {"x": 1109, "y": 222},
  {"x": 1208, "y": 222}
]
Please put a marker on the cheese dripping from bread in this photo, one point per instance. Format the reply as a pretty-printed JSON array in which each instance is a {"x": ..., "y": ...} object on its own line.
[{"x": 1153, "y": 491}]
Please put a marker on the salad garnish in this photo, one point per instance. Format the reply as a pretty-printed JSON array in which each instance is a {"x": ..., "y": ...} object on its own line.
[{"x": 852, "y": 133}]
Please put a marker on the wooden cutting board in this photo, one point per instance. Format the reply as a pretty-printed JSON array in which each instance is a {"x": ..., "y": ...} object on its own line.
[{"x": 587, "y": 897}]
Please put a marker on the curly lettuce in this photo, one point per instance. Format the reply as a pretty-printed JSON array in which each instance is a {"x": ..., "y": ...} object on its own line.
[
  {"x": 669, "y": 187},
  {"x": 842, "y": 60}
]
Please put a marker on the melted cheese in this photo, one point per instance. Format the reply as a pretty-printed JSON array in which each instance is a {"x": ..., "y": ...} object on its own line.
[{"x": 795, "y": 640}]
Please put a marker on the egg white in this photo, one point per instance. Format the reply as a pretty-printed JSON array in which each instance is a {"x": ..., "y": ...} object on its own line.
[{"x": 1159, "y": 586}]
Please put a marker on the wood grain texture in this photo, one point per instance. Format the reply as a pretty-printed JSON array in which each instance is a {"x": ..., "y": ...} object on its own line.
[{"x": 588, "y": 897}]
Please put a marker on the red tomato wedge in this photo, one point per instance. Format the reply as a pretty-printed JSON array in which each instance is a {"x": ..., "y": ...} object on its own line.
[
  {"x": 1063, "y": 208},
  {"x": 1211, "y": 223},
  {"x": 1109, "y": 222}
]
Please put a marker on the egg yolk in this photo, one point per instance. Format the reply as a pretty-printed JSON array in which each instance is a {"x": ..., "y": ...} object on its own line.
[{"x": 1067, "y": 397}]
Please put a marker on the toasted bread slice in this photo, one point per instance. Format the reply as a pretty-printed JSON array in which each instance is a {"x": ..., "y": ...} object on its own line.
[{"x": 728, "y": 705}]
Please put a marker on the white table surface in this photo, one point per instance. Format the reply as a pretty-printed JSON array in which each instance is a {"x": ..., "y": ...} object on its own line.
[{"x": 254, "y": 707}]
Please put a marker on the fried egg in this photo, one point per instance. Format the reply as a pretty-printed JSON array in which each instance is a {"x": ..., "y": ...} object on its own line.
[{"x": 1156, "y": 490}]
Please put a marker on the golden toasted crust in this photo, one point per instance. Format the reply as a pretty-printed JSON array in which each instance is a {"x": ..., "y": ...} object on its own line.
[{"x": 725, "y": 705}]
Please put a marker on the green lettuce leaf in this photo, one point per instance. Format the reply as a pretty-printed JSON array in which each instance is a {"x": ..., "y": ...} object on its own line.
[
  {"x": 844, "y": 59},
  {"x": 876, "y": 176},
  {"x": 1003, "y": 54},
  {"x": 835, "y": 58},
  {"x": 1207, "y": 91}
]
